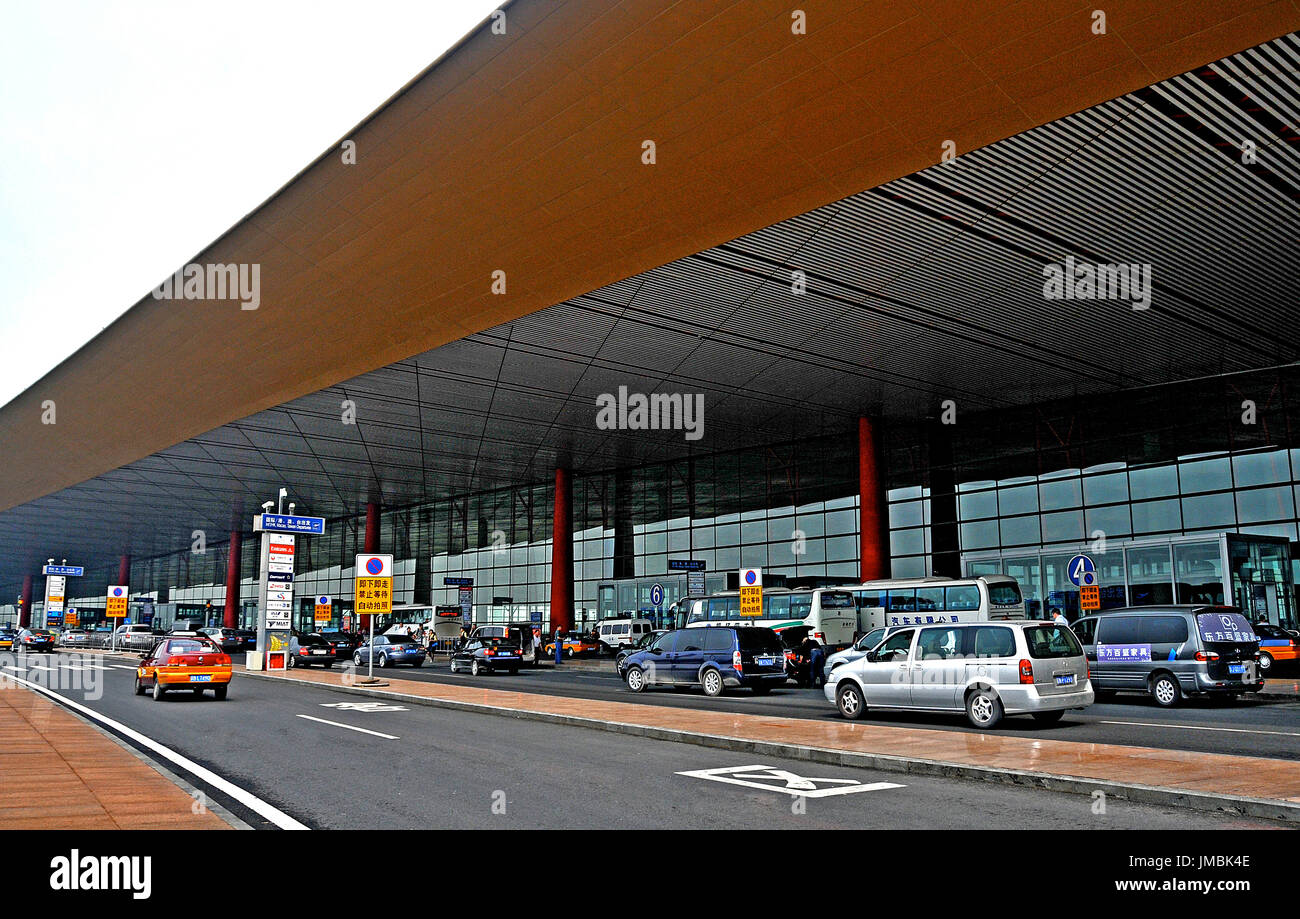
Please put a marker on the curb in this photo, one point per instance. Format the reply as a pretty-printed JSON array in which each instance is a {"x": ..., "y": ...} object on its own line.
[{"x": 1237, "y": 805}]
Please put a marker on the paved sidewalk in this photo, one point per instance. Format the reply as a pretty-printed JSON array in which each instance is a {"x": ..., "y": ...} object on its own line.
[
  {"x": 1203, "y": 780},
  {"x": 61, "y": 773},
  {"x": 1281, "y": 689}
]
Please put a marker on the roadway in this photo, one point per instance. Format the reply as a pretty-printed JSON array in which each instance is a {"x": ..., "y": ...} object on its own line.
[
  {"x": 1248, "y": 726},
  {"x": 332, "y": 759}
]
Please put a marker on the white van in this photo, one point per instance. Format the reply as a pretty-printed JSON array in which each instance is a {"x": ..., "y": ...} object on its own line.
[{"x": 616, "y": 634}]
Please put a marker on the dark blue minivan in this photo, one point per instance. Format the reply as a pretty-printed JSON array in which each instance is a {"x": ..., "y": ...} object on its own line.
[{"x": 713, "y": 657}]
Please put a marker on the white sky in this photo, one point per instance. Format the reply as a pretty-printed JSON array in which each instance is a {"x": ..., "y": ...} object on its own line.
[{"x": 112, "y": 114}]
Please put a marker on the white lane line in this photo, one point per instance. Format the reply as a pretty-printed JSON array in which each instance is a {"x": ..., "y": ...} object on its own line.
[
  {"x": 1197, "y": 727},
  {"x": 350, "y": 727},
  {"x": 14, "y": 669},
  {"x": 246, "y": 798},
  {"x": 122, "y": 667},
  {"x": 39, "y": 667}
]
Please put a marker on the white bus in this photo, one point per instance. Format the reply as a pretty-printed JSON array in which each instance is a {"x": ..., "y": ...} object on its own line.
[
  {"x": 829, "y": 611},
  {"x": 922, "y": 601}
]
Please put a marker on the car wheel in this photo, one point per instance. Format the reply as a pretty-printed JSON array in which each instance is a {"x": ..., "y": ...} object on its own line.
[
  {"x": 220, "y": 692},
  {"x": 1164, "y": 689},
  {"x": 711, "y": 680},
  {"x": 635, "y": 679},
  {"x": 1049, "y": 717},
  {"x": 158, "y": 690},
  {"x": 474, "y": 668},
  {"x": 383, "y": 661},
  {"x": 849, "y": 701},
  {"x": 983, "y": 707},
  {"x": 356, "y": 660},
  {"x": 453, "y": 667},
  {"x": 568, "y": 652},
  {"x": 139, "y": 687},
  {"x": 1265, "y": 663},
  {"x": 292, "y": 662}
]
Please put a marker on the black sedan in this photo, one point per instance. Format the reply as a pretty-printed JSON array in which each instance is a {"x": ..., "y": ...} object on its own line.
[
  {"x": 479, "y": 655},
  {"x": 343, "y": 644},
  {"x": 34, "y": 640},
  {"x": 306, "y": 650}
]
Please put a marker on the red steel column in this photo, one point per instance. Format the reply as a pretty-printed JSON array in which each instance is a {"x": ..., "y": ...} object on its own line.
[
  {"x": 230, "y": 617},
  {"x": 562, "y": 553},
  {"x": 25, "y": 615},
  {"x": 371, "y": 546},
  {"x": 124, "y": 570},
  {"x": 873, "y": 534}
]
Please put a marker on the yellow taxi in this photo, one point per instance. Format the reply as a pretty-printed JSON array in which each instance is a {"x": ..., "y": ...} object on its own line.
[
  {"x": 7, "y": 637},
  {"x": 191, "y": 662},
  {"x": 573, "y": 644}
]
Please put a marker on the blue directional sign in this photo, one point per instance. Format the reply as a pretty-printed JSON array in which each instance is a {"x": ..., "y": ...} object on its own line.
[
  {"x": 1081, "y": 571},
  {"x": 657, "y": 595},
  {"x": 67, "y": 571},
  {"x": 285, "y": 523},
  {"x": 458, "y": 582}
]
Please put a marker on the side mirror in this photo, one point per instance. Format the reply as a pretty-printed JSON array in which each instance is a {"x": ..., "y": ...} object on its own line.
[{"x": 871, "y": 656}]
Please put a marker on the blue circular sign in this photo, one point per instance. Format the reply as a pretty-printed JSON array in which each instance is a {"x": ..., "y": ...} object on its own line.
[
  {"x": 657, "y": 595},
  {"x": 324, "y": 601},
  {"x": 1081, "y": 571},
  {"x": 374, "y": 565},
  {"x": 750, "y": 577}
]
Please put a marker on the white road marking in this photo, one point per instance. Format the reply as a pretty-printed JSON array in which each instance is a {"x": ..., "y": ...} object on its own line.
[
  {"x": 765, "y": 778},
  {"x": 246, "y": 798},
  {"x": 39, "y": 667},
  {"x": 13, "y": 668},
  {"x": 122, "y": 667},
  {"x": 1197, "y": 727},
  {"x": 350, "y": 727},
  {"x": 364, "y": 706}
]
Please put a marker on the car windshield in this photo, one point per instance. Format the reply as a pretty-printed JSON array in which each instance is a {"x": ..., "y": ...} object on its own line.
[
  {"x": 870, "y": 640},
  {"x": 1225, "y": 626},
  {"x": 190, "y": 646},
  {"x": 837, "y": 601},
  {"x": 401, "y": 640}
]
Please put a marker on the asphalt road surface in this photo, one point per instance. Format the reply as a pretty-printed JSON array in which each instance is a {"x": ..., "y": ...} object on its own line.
[
  {"x": 1247, "y": 726},
  {"x": 335, "y": 760}
]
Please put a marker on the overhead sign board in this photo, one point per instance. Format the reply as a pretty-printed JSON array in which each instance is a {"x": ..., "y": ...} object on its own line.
[
  {"x": 287, "y": 523},
  {"x": 458, "y": 582},
  {"x": 70, "y": 571},
  {"x": 751, "y": 591},
  {"x": 687, "y": 564}
]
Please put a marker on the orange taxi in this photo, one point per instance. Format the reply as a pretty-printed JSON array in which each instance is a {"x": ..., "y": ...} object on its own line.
[
  {"x": 573, "y": 645},
  {"x": 193, "y": 662}
]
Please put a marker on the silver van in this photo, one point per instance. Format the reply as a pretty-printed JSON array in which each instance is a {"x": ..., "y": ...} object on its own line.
[
  {"x": 1171, "y": 651},
  {"x": 987, "y": 669}
]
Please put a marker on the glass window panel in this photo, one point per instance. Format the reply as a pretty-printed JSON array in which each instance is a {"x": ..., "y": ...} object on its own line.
[
  {"x": 976, "y": 569},
  {"x": 907, "y": 542},
  {"x": 1110, "y": 577},
  {"x": 1058, "y": 494},
  {"x": 814, "y": 553},
  {"x": 728, "y": 534},
  {"x": 913, "y": 567},
  {"x": 930, "y": 599},
  {"x": 1198, "y": 572},
  {"x": 982, "y": 535},
  {"x": 1020, "y": 531},
  {"x": 1112, "y": 522},
  {"x": 1153, "y": 481},
  {"x": 1205, "y": 475},
  {"x": 753, "y": 531},
  {"x": 1063, "y": 527},
  {"x": 977, "y": 505},
  {"x": 840, "y": 522},
  {"x": 703, "y": 537},
  {"x": 909, "y": 514},
  {"x": 1157, "y": 517},
  {"x": 841, "y": 548},
  {"x": 1209, "y": 511},
  {"x": 1026, "y": 571},
  {"x": 1262, "y": 504},
  {"x": 813, "y": 524},
  {"x": 1261, "y": 469},
  {"x": 1023, "y": 499},
  {"x": 1150, "y": 575},
  {"x": 1105, "y": 489}
]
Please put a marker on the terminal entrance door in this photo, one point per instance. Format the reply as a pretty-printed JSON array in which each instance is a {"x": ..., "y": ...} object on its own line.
[{"x": 1260, "y": 574}]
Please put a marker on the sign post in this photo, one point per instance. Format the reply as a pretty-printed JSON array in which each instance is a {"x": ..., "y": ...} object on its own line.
[
  {"x": 115, "y": 608},
  {"x": 751, "y": 592},
  {"x": 323, "y": 612},
  {"x": 275, "y": 581},
  {"x": 373, "y": 596}
]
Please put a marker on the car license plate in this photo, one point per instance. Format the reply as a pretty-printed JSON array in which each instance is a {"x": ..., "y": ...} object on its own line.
[
  {"x": 1065, "y": 679},
  {"x": 1236, "y": 668},
  {"x": 763, "y": 661},
  {"x": 201, "y": 678},
  {"x": 318, "y": 652}
]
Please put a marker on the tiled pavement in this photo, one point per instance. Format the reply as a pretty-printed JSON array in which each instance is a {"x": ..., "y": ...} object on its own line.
[{"x": 61, "y": 773}]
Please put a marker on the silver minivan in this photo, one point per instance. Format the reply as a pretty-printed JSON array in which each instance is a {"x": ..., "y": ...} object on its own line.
[
  {"x": 1171, "y": 651},
  {"x": 986, "y": 669}
]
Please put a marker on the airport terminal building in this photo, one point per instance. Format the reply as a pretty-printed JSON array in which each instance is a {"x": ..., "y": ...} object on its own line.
[{"x": 828, "y": 351}]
